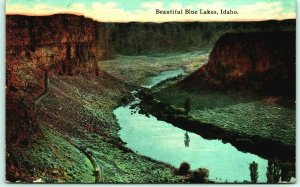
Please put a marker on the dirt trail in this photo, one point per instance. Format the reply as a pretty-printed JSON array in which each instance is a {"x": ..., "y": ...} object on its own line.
[{"x": 88, "y": 153}]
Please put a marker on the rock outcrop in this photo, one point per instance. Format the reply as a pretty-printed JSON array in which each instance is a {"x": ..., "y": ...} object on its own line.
[
  {"x": 60, "y": 44},
  {"x": 261, "y": 61}
]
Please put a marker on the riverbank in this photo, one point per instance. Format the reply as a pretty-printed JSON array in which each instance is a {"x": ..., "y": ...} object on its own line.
[
  {"x": 168, "y": 111},
  {"x": 177, "y": 146},
  {"x": 81, "y": 108},
  {"x": 136, "y": 68}
]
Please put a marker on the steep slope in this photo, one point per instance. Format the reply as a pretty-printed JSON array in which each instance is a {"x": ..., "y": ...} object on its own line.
[
  {"x": 148, "y": 38},
  {"x": 36, "y": 47},
  {"x": 263, "y": 62}
]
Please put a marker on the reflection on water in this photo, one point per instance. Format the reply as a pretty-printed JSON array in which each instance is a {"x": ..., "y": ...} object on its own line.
[{"x": 162, "y": 141}]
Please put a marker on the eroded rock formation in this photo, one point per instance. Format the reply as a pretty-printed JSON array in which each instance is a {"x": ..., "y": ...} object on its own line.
[
  {"x": 261, "y": 61},
  {"x": 59, "y": 44}
]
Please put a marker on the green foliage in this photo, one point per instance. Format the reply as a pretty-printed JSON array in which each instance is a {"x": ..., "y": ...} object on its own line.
[
  {"x": 286, "y": 171},
  {"x": 253, "y": 171},
  {"x": 187, "y": 105},
  {"x": 235, "y": 111},
  {"x": 200, "y": 175},
  {"x": 273, "y": 171},
  {"x": 184, "y": 168}
]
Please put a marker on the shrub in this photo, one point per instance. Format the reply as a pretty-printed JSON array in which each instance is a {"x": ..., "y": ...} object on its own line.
[
  {"x": 253, "y": 171},
  {"x": 273, "y": 171},
  {"x": 286, "y": 172},
  {"x": 184, "y": 168},
  {"x": 200, "y": 175}
]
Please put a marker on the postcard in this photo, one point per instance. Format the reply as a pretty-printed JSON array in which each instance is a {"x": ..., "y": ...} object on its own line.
[{"x": 150, "y": 92}]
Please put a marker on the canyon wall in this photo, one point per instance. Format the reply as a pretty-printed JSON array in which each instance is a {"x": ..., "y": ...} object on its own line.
[
  {"x": 147, "y": 38},
  {"x": 260, "y": 61},
  {"x": 65, "y": 44},
  {"x": 58, "y": 44}
]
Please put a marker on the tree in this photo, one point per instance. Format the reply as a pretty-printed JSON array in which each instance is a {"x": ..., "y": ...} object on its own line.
[
  {"x": 286, "y": 172},
  {"x": 187, "y": 106},
  {"x": 273, "y": 171},
  {"x": 253, "y": 171},
  {"x": 200, "y": 175},
  {"x": 184, "y": 168}
]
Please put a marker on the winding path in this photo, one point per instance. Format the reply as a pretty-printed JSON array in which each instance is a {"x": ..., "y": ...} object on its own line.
[{"x": 87, "y": 152}]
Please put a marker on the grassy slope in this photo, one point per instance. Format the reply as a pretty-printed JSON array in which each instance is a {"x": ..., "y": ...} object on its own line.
[
  {"x": 81, "y": 108},
  {"x": 53, "y": 159},
  {"x": 136, "y": 68},
  {"x": 237, "y": 112}
]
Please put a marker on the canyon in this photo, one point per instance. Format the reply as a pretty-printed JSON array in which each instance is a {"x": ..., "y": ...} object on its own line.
[{"x": 69, "y": 48}]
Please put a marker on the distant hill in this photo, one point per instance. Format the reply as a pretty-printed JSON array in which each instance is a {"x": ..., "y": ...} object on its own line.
[{"x": 256, "y": 61}]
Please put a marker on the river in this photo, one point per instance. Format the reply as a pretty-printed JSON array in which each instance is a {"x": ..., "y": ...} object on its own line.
[{"x": 164, "y": 142}]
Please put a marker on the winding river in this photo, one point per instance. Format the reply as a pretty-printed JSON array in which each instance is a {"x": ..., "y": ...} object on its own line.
[{"x": 164, "y": 142}]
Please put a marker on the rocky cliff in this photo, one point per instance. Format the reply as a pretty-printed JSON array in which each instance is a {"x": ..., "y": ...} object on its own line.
[
  {"x": 58, "y": 44},
  {"x": 147, "y": 38},
  {"x": 260, "y": 61}
]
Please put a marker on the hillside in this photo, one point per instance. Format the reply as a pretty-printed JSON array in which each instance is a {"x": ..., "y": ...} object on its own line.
[
  {"x": 247, "y": 87},
  {"x": 260, "y": 61}
]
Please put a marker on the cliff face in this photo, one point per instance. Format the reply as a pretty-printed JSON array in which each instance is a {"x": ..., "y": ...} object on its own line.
[
  {"x": 142, "y": 38},
  {"x": 58, "y": 44},
  {"x": 66, "y": 44},
  {"x": 262, "y": 62}
]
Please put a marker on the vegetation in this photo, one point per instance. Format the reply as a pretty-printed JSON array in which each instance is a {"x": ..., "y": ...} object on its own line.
[
  {"x": 240, "y": 113},
  {"x": 200, "y": 175},
  {"x": 85, "y": 114},
  {"x": 136, "y": 68},
  {"x": 253, "y": 172},
  {"x": 184, "y": 168},
  {"x": 52, "y": 159},
  {"x": 81, "y": 109},
  {"x": 187, "y": 106},
  {"x": 287, "y": 171},
  {"x": 273, "y": 171},
  {"x": 196, "y": 176}
]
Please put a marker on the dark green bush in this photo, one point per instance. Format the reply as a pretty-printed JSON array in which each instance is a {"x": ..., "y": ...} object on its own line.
[
  {"x": 184, "y": 168},
  {"x": 200, "y": 175},
  {"x": 253, "y": 172}
]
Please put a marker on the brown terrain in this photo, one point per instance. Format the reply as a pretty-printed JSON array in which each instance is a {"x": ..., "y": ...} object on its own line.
[{"x": 255, "y": 61}]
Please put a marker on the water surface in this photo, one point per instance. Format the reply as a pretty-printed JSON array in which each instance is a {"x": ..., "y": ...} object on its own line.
[
  {"x": 153, "y": 80},
  {"x": 164, "y": 142}
]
